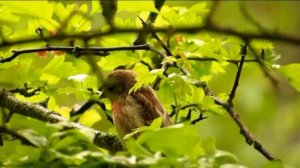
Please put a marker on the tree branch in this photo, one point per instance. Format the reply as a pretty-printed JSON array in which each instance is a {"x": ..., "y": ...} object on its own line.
[
  {"x": 228, "y": 106},
  {"x": 25, "y": 91},
  {"x": 263, "y": 67},
  {"x": 101, "y": 139},
  {"x": 234, "y": 61},
  {"x": 251, "y": 19},
  {"x": 78, "y": 51},
  {"x": 238, "y": 74},
  {"x": 88, "y": 105},
  {"x": 142, "y": 35},
  {"x": 193, "y": 29},
  {"x": 244, "y": 130}
]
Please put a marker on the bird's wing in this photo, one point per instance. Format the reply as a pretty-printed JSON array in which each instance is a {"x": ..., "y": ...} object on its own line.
[{"x": 150, "y": 103}]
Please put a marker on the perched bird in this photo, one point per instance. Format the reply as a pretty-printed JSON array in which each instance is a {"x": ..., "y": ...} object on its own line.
[{"x": 132, "y": 110}]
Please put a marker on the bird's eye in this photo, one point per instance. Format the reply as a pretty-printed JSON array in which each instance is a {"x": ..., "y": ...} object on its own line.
[
  {"x": 116, "y": 89},
  {"x": 111, "y": 88}
]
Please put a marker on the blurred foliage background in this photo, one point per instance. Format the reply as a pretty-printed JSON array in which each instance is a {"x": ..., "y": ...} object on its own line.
[{"x": 271, "y": 113}]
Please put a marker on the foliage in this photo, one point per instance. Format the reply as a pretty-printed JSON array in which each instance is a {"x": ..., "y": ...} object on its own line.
[{"x": 72, "y": 80}]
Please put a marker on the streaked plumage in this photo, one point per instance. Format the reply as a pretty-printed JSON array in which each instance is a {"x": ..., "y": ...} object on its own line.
[{"x": 134, "y": 110}]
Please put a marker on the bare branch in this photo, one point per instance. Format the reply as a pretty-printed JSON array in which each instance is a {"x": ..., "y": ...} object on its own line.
[
  {"x": 214, "y": 59},
  {"x": 238, "y": 74},
  {"x": 193, "y": 29},
  {"x": 78, "y": 51},
  {"x": 25, "y": 91},
  {"x": 142, "y": 35},
  {"x": 248, "y": 16},
  {"x": 263, "y": 67},
  {"x": 244, "y": 130},
  {"x": 88, "y": 105}
]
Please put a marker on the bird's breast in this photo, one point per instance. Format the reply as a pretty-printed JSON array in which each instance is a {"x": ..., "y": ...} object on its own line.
[
  {"x": 118, "y": 105},
  {"x": 127, "y": 115}
]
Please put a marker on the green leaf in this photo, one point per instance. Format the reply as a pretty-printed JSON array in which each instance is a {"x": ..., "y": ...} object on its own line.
[
  {"x": 199, "y": 8},
  {"x": 77, "y": 22},
  {"x": 124, "y": 22},
  {"x": 291, "y": 72},
  {"x": 223, "y": 157},
  {"x": 63, "y": 12},
  {"x": 40, "y": 9},
  {"x": 7, "y": 16},
  {"x": 114, "y": 60},
  {"x": 137, "y": 149},
  {"x": 178, "y": 15},
  {"x": 95, "y": 7},
  {"x": 78, "y": 77},
  {"x": 183, "y": 88},
  {"x": 144, "y": 79},
  {"x": 90, "y": 117},
  {"x": 32, "y": 136},
  {"x": 137, "y": 6},
  {"x": 210, "y": 105},
  {"x": 51, "y": 79},
  {"x": 169, "y": 60},
  {"x": 82, "y": 94},
  {"x": 14, "y": 154},
  {"x": 156, "y": 124},
  {"x": 59, "y": 68},
  {"x": 169, "y": 140},
  {"x": 274, "y": 164}
]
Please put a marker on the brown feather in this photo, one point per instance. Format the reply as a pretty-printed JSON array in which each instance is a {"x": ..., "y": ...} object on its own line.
[
  {"x": 151, "y": 106},
  {"x": 134, "y": 110}
]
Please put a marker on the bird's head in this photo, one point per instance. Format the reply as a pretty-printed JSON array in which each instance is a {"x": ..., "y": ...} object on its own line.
[{"x": 118, "y": 83}]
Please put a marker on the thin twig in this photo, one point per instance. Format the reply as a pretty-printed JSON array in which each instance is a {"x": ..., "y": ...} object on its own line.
[
  {"x": 192, "y": 29},
  {"x": 25, "y": 91},
  {"x": 88, "y": 105},
  {"x": 154, "y": 35},
  {"x": 263, "y": 67},
  {"x": 228, "y": 106},
  {"x": 102, "y": 51},
  {"x": 142, "y": 35},
  {"x": 251, "y": 19},
  {"x": 200, "y": 118},
  {"x": 147, "y": 65},
  {"x": 238, "y": 74},
  {"x": 244, "y": 130},
  {"x": 234, "y": 61}
]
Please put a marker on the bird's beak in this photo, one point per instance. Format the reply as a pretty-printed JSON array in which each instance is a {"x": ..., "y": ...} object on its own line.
[{"x": 102, "y": 92}]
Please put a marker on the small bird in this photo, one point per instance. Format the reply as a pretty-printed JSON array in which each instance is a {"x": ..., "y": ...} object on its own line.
[{"x": 135, "y": 109}]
